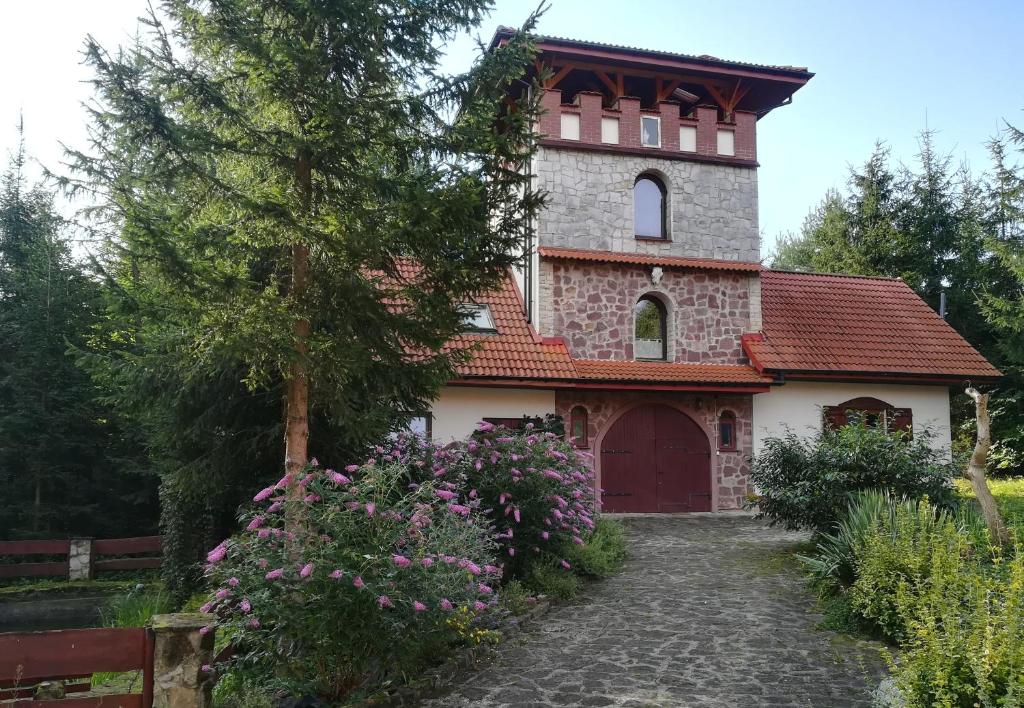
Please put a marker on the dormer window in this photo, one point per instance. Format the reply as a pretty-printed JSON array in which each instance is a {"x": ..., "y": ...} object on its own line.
[
  {"x": 477, "y": 319},
  {"x": 649, "y": 196},
  {"x": 650, "y": 339}
]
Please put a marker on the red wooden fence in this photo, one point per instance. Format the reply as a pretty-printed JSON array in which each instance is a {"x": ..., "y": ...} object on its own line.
[
  {"x": 102, "y": 547},
  {"x": 27, "y": 659}
]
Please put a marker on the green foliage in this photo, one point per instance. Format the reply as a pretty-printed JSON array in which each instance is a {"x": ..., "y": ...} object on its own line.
[
  {"x": 603, "y": 551},
  {"x": 136, "y": 607},
  {"x": 964, "y": 633},
  {"x": 516, "y": 598},
  {"x": 833, "y": 566},
  {"x": 806, "y": 483},
  {"x": 554, "y": 582},
  {"x": 1009, "y": 495},
  {"x": 233, "y": 142},
  {"x": 368, "y": 589},
  {"x": 66, "y": 464},
  {"x": 899, "y": 555}
]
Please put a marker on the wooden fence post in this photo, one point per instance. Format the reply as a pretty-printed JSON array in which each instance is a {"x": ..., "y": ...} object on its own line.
[
  {"x": 180, "y": 650},
  {"x": 80, "y": 559}
]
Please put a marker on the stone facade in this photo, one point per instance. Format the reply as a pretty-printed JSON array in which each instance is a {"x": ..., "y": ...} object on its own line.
[
  {"x": 591, "y": 305},
  {"x": 712, "y": 208},
  {"x": 730, "y": 469}
]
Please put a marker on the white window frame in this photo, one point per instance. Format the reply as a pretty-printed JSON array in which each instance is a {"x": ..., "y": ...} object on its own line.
[
  {"x": 478, "y": 319},
  {"x": 657, "y": 120}
]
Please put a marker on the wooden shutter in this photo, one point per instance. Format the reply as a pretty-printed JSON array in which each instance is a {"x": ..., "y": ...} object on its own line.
[{"x": 835, "y": 417}]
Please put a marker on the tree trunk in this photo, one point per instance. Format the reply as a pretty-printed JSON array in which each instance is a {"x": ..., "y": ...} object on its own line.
[
  {"x": 976, "y": 471},
  {"x": 296, "y": 427}
]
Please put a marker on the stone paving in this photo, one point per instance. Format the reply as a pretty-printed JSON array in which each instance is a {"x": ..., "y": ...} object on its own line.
[{"x": 707, "y": 612}]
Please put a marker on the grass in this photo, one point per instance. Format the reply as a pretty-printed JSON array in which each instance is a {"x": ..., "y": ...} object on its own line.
[
  {"x": 133, "y": 609},
  {"x": 1009, "y": 494}
]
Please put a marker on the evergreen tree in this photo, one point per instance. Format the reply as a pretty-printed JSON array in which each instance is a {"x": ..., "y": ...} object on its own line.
[
  {"x": 59, "y": 446},
  {"x": 266, "y": 173}
]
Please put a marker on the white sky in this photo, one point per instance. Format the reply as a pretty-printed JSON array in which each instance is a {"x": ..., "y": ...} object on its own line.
[{"x": 882, "y": 67}]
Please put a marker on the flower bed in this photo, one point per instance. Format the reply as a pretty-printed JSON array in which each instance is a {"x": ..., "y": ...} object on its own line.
[{"x": 377, "y": 570}]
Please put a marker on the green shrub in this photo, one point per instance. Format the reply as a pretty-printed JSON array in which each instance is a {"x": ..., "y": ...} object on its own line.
[
  {"x": 833, "y": 567},
  {"x": 900, "y": 554},
  {"x": 603, "y": 551},
  {"x": 806, "y": 483},
  {"x": 370, "y": 589},
  {"x": 554, "y": 582},
  {"x": 965, "y": 633}
]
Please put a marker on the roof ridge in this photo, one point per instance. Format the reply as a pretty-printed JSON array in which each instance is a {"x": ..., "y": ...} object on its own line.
[{"x": 785, "y": 271}]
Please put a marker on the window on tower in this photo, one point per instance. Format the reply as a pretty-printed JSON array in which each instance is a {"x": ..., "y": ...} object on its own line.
[
  {"x": 650, "y": 329},
  {"x": 649, "y": 195}
]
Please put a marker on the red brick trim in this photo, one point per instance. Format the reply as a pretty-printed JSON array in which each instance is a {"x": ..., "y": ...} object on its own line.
[{"x": 647, "y": 152}]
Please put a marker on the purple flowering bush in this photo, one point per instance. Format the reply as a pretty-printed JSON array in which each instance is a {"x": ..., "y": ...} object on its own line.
[
  {"x": 537, "y": 489},
  {"x": 364, "y": 589}
]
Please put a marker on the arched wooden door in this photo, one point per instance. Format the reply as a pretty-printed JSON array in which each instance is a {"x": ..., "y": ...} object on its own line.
[{"x": 655, "y": 458}]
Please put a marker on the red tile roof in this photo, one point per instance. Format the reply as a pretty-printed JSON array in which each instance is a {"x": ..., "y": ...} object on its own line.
[
  {"x": 604, "y": 370},
  {"x": 515, "y": 351},
  {"x": 833, "y": 324},
  {"x": 579, "y": 254}
]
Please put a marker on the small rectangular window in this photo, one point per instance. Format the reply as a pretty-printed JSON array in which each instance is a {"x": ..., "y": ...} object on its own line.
[
  {"x": 610, "y": 131},
  {"x": 478, "y": 319},
  {"x": 650, "y": 131},
  {"x": 688, "y": 138},
  {"x": 726, "y": 142},
  {"x": 570, "y": 126}
]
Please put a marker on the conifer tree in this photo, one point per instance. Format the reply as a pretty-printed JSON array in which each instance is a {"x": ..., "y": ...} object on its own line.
[{"x": 267, "y": 171}]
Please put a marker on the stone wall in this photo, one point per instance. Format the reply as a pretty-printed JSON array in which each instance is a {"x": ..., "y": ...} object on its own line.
[
  {"x": 592, "y": 305},
  {"x": 712, "y": 207},
  {"x": 730, "y": 470}
]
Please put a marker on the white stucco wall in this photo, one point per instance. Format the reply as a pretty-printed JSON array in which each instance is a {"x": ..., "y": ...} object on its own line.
[
  {"x": 458, "y": 409},
  {"x": 796, "y": 406}
]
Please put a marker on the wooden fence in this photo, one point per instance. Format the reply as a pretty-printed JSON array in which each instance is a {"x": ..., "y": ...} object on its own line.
[
  {"x": 82, "y": 558},
  {"x": 72, "y": 656}
]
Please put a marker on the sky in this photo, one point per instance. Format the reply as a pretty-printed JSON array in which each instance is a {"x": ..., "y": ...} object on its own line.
[{"x": 884, "y": 71}]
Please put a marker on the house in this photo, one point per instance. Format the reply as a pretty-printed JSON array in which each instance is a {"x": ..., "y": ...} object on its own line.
[{"x": 643, "y": 315}]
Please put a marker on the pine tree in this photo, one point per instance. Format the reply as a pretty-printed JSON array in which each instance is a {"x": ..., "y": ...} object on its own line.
[
  {"x": 58, "y": 442},
  {"x": 266, "y": 171}
]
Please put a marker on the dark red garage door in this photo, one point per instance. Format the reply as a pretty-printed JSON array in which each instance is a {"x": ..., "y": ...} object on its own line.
[{"x": 655, "y": 459}]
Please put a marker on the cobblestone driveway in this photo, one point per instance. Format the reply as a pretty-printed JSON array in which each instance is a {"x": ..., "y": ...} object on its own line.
[{"x": 704, "y": 614}]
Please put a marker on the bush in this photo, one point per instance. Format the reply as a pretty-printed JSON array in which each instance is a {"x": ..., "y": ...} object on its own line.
[
  {"x": 806, "y": 484},
  {"x": 135, "y": 608},
  {"x": 965, "y": 633},
  {"x": 603, "y": 551},
  {"x": 365, "y": 591},
  {"x": 536, "y": 488},
  {"x": 554, "y": 582},
  {"x": 899, "y": 555}
]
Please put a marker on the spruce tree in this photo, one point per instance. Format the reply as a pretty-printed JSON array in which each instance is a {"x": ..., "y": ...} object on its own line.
[{"x": 291, "y": 194}]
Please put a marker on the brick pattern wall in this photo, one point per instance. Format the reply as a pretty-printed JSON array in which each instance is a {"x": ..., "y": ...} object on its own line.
[
  {"x": 730, "y": 470},
  {"x": 591, "y": 305}
]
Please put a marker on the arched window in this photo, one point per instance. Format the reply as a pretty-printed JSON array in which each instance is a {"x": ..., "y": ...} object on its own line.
[
  {"x": 578, "y": 427},
  {"x": 873, "y": 412},
  {"x": 650, "y": 334},
  {"x": 727, "y": 431},
  {"x": 649, "y": 207}
]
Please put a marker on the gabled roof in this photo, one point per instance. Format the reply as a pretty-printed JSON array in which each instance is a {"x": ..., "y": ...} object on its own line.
[
  {"x": 827, "y": 325},
  {"x": 580, "y": 254}
]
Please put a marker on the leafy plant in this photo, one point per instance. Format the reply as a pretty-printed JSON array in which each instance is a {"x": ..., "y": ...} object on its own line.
[
  {"x": 136, "y": 607},
  {"x": 603, "y": 551},
  {"x": 554, "y": 582},
  {"x": 363, "y": 591},
  {"x": 806, "y": 483}
]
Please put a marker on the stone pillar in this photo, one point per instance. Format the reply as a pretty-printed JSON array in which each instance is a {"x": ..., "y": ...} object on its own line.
[
  {"x": 80, "y": 559},
  {"x": 180, "y": 651}
]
